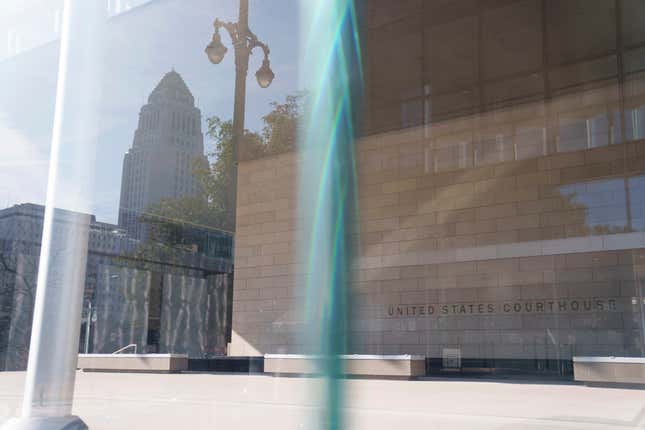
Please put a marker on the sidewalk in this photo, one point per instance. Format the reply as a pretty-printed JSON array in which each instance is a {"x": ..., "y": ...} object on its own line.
[{"x": 224, "y": 401}]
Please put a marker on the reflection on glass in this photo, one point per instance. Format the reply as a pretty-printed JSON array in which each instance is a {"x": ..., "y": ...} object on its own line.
[{"x": 447, "y": 188}]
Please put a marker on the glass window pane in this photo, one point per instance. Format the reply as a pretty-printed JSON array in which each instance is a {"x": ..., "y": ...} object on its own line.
[{"x": 321, "y": 214}]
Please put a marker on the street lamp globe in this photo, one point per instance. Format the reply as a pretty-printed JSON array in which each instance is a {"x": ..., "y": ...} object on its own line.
[
  {"x": 216, "y": 49},
  {"x": 264, "y": 74}
]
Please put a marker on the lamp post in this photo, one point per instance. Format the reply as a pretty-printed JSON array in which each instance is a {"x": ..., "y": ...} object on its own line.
[
  {"x": 244, "y": 42},
  {"x": 89, "y": 319}
]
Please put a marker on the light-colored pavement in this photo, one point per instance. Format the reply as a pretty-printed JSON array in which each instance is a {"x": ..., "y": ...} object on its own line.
[{"x": 210, "y": 401}]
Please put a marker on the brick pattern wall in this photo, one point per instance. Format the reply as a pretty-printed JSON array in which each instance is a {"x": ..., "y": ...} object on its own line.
[
  {"x": 267, "y": 292},
  {"x": 530, "y": 258}
]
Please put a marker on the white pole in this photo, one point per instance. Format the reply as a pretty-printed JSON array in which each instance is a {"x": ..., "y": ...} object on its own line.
[
  {"x": 88, "y": 325},
  {"x": 53, "y": 353}
]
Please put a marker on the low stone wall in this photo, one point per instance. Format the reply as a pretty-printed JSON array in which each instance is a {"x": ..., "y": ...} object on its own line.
[
  {"x": 133, "y": 362},
  {"x": 613, "y": 370},
  {"x": 406, "y": 366}
]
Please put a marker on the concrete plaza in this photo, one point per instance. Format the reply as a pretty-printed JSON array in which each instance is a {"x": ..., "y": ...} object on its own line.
[{"x": 223, "y": 401}]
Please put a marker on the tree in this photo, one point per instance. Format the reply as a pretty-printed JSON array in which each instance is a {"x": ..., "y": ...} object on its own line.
[
  {"x": 209, "y": 208},
  {"x": 18, "y": 273},
  {"x": 280, "y": 130}
]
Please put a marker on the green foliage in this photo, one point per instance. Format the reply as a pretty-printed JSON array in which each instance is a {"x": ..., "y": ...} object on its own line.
[
  {"x": 281, "y": 125},
  {"x": 210, "y": 208}
]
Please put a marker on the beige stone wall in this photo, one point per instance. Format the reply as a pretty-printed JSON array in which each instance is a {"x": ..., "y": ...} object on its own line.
[
  {"x": 265, "y": 295},
  {"x": 520, "y": 251}
]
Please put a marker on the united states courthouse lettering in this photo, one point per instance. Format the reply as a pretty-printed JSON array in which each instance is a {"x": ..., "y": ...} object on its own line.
[
  {"x": 545, "y": 306},
  {"x": 501, "y": 182}
]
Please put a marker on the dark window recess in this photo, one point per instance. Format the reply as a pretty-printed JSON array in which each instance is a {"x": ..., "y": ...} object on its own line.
[{"x": 154, "y": 310}]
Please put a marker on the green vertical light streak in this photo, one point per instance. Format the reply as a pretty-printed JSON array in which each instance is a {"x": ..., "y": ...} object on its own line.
[{"x": 328, "y": 196}]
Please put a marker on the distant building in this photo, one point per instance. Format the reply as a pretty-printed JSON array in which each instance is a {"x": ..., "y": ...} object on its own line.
[
  {"x": 167, "y": 144},
  {"x": 161, "y": 299}
]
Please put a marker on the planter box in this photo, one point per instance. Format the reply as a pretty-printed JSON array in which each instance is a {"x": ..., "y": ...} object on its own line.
[
  {"x": 622, "y": 370},
  {"x": 133, "y": 362},
  {"x": 364, "y": 365}
]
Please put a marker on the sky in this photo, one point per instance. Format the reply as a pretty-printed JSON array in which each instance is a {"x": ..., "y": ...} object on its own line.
[{"x": 139, "y": 46}]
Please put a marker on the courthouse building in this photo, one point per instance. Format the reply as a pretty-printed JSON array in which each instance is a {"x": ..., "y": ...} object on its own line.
[{"x": 501, "y": 182}]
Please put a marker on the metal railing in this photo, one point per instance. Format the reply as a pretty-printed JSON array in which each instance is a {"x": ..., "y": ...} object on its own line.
[{"x": 132, "y": 345}]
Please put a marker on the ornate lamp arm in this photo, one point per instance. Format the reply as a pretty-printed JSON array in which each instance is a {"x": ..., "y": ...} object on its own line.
[
  {"x": 254, "y": 42},
  {"x": 250, "y": 39}
]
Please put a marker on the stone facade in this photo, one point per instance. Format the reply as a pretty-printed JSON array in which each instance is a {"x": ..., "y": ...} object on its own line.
[
  {"x": 501, "y": 171},
  {"x": 268, "y": 270},
  {"x": 495, "y": 253}
]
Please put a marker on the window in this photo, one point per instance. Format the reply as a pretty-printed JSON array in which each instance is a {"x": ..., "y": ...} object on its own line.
[{"x": 449, "y": 191}]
